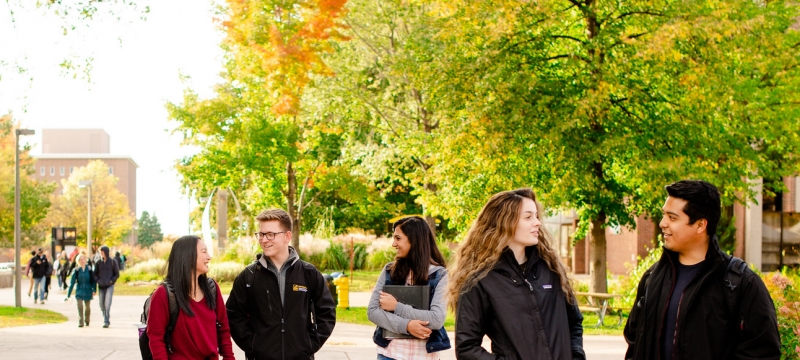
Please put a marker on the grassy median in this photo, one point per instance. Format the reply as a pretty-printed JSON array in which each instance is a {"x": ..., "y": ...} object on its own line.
[{"x": 12, "y": 316}]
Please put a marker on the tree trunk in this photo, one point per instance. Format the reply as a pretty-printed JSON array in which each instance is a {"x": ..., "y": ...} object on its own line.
[
  {"x": 428, "y": 218},
  {"x": 597, "y": 255},
  {"x": 291, "y": 195}
]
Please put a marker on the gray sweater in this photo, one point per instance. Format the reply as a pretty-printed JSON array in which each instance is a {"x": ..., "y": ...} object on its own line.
[{"x": 397, "y": 321}]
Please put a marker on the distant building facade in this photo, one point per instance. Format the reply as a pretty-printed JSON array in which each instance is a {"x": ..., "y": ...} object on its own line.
[{"x": 66, "y": 150}]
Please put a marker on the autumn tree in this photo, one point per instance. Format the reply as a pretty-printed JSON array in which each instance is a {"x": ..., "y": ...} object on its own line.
[
  {"x": 599, "y": 104},
  {"x": 34, "y": 195},
  {"x": 111, "y": 216}
]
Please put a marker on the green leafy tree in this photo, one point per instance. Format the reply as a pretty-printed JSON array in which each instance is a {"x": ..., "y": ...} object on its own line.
[
  {"x": 149, "y": 229},
  {"x": 34, "y": 195},
  {"x": 599, "y": 104},
  {"x": 111, "y": 217}
]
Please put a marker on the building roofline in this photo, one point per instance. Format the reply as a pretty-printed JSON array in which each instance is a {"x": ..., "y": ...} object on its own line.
[{"x": 88, "y": 156}]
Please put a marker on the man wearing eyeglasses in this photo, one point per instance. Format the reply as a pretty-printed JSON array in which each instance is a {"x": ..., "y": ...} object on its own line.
[{"x": 280, "y": 306}]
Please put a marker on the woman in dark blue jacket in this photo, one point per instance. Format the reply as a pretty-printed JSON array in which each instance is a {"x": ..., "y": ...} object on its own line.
[{"x": 87, "y": 287}]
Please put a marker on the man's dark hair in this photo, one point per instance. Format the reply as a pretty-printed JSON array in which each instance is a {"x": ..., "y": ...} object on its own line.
[
  {"x": 276, "y": 215},
  {"x": 702, "y": 201}
]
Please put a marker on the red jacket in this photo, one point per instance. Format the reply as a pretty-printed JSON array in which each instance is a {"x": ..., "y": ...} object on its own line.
[{"x": 194, "y": 337}]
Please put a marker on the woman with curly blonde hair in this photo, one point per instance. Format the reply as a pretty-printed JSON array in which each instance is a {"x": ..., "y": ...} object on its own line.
[{"x": 509, "y": 284}]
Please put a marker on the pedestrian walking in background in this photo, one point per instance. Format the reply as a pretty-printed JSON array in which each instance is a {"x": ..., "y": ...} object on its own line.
[
  {"x": 39, "y": 268},
  {"x": 48, "y": 275},
  {"x": 201, "y": 330},
  {"x": 697, "y": 302},
  {"x": 509, "y": 283},
  {"x": 63, "y": 270},
  {"x": 418, "y": 262},
  {"x": 272, "y": 301},
  {"x": 120, "y": 261},
  {"x": 106, "y": 272},
  {"x": 83, "y": 277},
  {"x": 29, "y": 271}
]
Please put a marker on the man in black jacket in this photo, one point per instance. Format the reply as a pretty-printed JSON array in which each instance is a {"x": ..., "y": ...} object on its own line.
[
  {"x": 273, "y": 300},
  {"x": 106, "y": 272},
  {"x": 39, "y": 266},
  {"x": 683, "y": 308}
]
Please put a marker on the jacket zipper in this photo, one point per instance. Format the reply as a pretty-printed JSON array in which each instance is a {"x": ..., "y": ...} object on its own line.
[
  {"x": 677, "y": 322},
  {"x": 666, "y": 307}
]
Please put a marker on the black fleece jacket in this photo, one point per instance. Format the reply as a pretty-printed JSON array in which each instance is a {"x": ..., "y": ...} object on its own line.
[
  {"x": 704, "y": 329},
  {"x": 266, "y": 329},
  {"x": 526, "y": 317}
]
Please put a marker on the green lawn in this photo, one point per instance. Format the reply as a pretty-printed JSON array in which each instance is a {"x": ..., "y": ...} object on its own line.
[{"x": 12, "y": 316}]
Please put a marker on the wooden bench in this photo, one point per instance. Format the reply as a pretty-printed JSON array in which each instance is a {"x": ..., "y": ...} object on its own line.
[{"x": 598, "y": 304}]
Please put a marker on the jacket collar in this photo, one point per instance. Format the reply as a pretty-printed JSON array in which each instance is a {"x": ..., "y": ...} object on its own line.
[
  {"x": 713, "y": 254},
  {"x": 267, "y": 263},
  {"x": 507, "y": 259}
]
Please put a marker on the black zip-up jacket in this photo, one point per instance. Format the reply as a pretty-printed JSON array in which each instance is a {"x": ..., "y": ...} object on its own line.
[
  {"x": 526, "y": 317},
  {"x": 264, "y": 329},
  {"x": 39, "y": 270},
  {"x": 704, "y": 329},
  {"x": 106, "y": 272}
]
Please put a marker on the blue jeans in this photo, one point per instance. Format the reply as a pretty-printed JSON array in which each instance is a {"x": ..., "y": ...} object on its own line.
[
  {"x": 106, "y": 295},
  {"x": 38, "y": 287}
]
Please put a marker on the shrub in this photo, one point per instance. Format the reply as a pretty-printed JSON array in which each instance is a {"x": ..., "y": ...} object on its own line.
[
  {"x": 627, "y": 285},
  {"x": 376, "y": 260},
  {"x": 161, "y": 249},
  {"x": 152, "y": 266},
  {"x": 225, "y": 271},
  {"x": 786, "y": 298},
  {"x": 243, "y": 251}
]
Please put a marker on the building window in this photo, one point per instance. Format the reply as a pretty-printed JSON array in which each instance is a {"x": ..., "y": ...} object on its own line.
[
  {"x": 61, "y": 171},
  {"x": 41, "y": 171},
  {"x": 110, "y": 170},
  {"x": 71, "y": 169},
  {"x": 52, "y": 171}
]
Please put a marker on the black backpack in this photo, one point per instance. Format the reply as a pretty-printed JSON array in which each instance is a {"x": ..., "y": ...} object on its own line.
[{"x": 144, "y": 339}]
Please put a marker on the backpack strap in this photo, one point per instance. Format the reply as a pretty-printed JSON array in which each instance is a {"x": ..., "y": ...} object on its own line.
[
  {"x": 173, "y": 314},
  {"x": 310, "y": 297},
  {"x": 732, "y": 280}
]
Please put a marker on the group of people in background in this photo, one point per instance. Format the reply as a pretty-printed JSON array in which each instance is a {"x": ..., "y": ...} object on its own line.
[{"x": 507, "y": 283}]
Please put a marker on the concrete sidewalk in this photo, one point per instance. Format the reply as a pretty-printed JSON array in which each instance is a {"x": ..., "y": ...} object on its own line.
[{"x": 66, "y": 341}]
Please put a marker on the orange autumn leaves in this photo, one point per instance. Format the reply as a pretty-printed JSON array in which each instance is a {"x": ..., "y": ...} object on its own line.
[{"x": 280, "y": 43}]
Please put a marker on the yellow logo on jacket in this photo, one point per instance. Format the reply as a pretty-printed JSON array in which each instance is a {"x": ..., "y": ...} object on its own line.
[{"x": 297, "y": 287}]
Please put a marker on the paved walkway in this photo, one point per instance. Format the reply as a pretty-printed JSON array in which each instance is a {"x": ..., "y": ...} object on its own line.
[{"x": 65, "y": 341}]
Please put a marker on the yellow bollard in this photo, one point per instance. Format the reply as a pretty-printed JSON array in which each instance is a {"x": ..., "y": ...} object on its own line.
[{"x": 343, "y": 288}]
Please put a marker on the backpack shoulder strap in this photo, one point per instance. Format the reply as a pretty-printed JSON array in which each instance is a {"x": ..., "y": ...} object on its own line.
[
  {"x": 732, "y": 280},
  {"x": 173, "y": 307},
  {"x": 312, "y": 288}
]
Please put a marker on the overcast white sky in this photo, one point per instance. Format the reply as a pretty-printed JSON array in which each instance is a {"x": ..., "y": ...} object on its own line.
[{"x": 135, "y": 72}]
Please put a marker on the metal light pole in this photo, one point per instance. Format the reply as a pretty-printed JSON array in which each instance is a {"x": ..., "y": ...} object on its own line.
[
  {"x": 88, "y": 184},
  {"x": 17, "y": 229}
]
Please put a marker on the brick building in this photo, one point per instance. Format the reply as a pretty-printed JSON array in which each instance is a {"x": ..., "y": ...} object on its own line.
[{"x": 65, "y": 150}]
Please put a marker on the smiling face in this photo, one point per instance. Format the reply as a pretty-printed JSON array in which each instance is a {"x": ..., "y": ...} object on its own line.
[
  {"x": 679, "y": 235},
  {"x": 401, "y": 243},
  {"x": 277, "y": 246},
  {"x": 527, "y": 230},
  {"x": 203, "y": 258}
]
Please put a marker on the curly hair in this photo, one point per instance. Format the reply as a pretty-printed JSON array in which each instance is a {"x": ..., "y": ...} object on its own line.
[{"x": 488, "y": 238}]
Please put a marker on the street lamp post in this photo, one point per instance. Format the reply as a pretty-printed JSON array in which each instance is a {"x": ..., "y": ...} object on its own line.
[
  {"x": 17, "y": 228},
  {"x": 88, "y": 184}
]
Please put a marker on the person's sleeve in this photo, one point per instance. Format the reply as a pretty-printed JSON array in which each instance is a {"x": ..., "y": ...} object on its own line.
[
  {"x": 157, "y": 322},
  {"x": 224, "y": 331},
  {"x": 575, "y": 323},
  {"x": 382, "y": 318},
  {"x": 239, "y": 315},
  {"x": 114, "y": 272},
  {"x": 435, "y": 316},
  {"x": 634, "y": 317},
  {"x": 759, "y": 337},
  {"x": 93, "y": 281},
  {"x": 325, "y": 312},
  {"x": 469, "y": 326},
  {"x": 72, "y": 284}
]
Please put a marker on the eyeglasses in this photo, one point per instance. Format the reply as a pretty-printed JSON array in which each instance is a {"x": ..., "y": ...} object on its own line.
[{"x": 268, "y": 235}]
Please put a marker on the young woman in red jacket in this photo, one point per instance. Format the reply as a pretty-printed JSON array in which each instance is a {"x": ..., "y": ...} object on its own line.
[{"x": 201, "y": 330}]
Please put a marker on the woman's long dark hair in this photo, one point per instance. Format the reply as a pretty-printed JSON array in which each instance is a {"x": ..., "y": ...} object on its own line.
[
  {"x": 423, "y": 252},
  {"x": 181, "y": 272}
]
